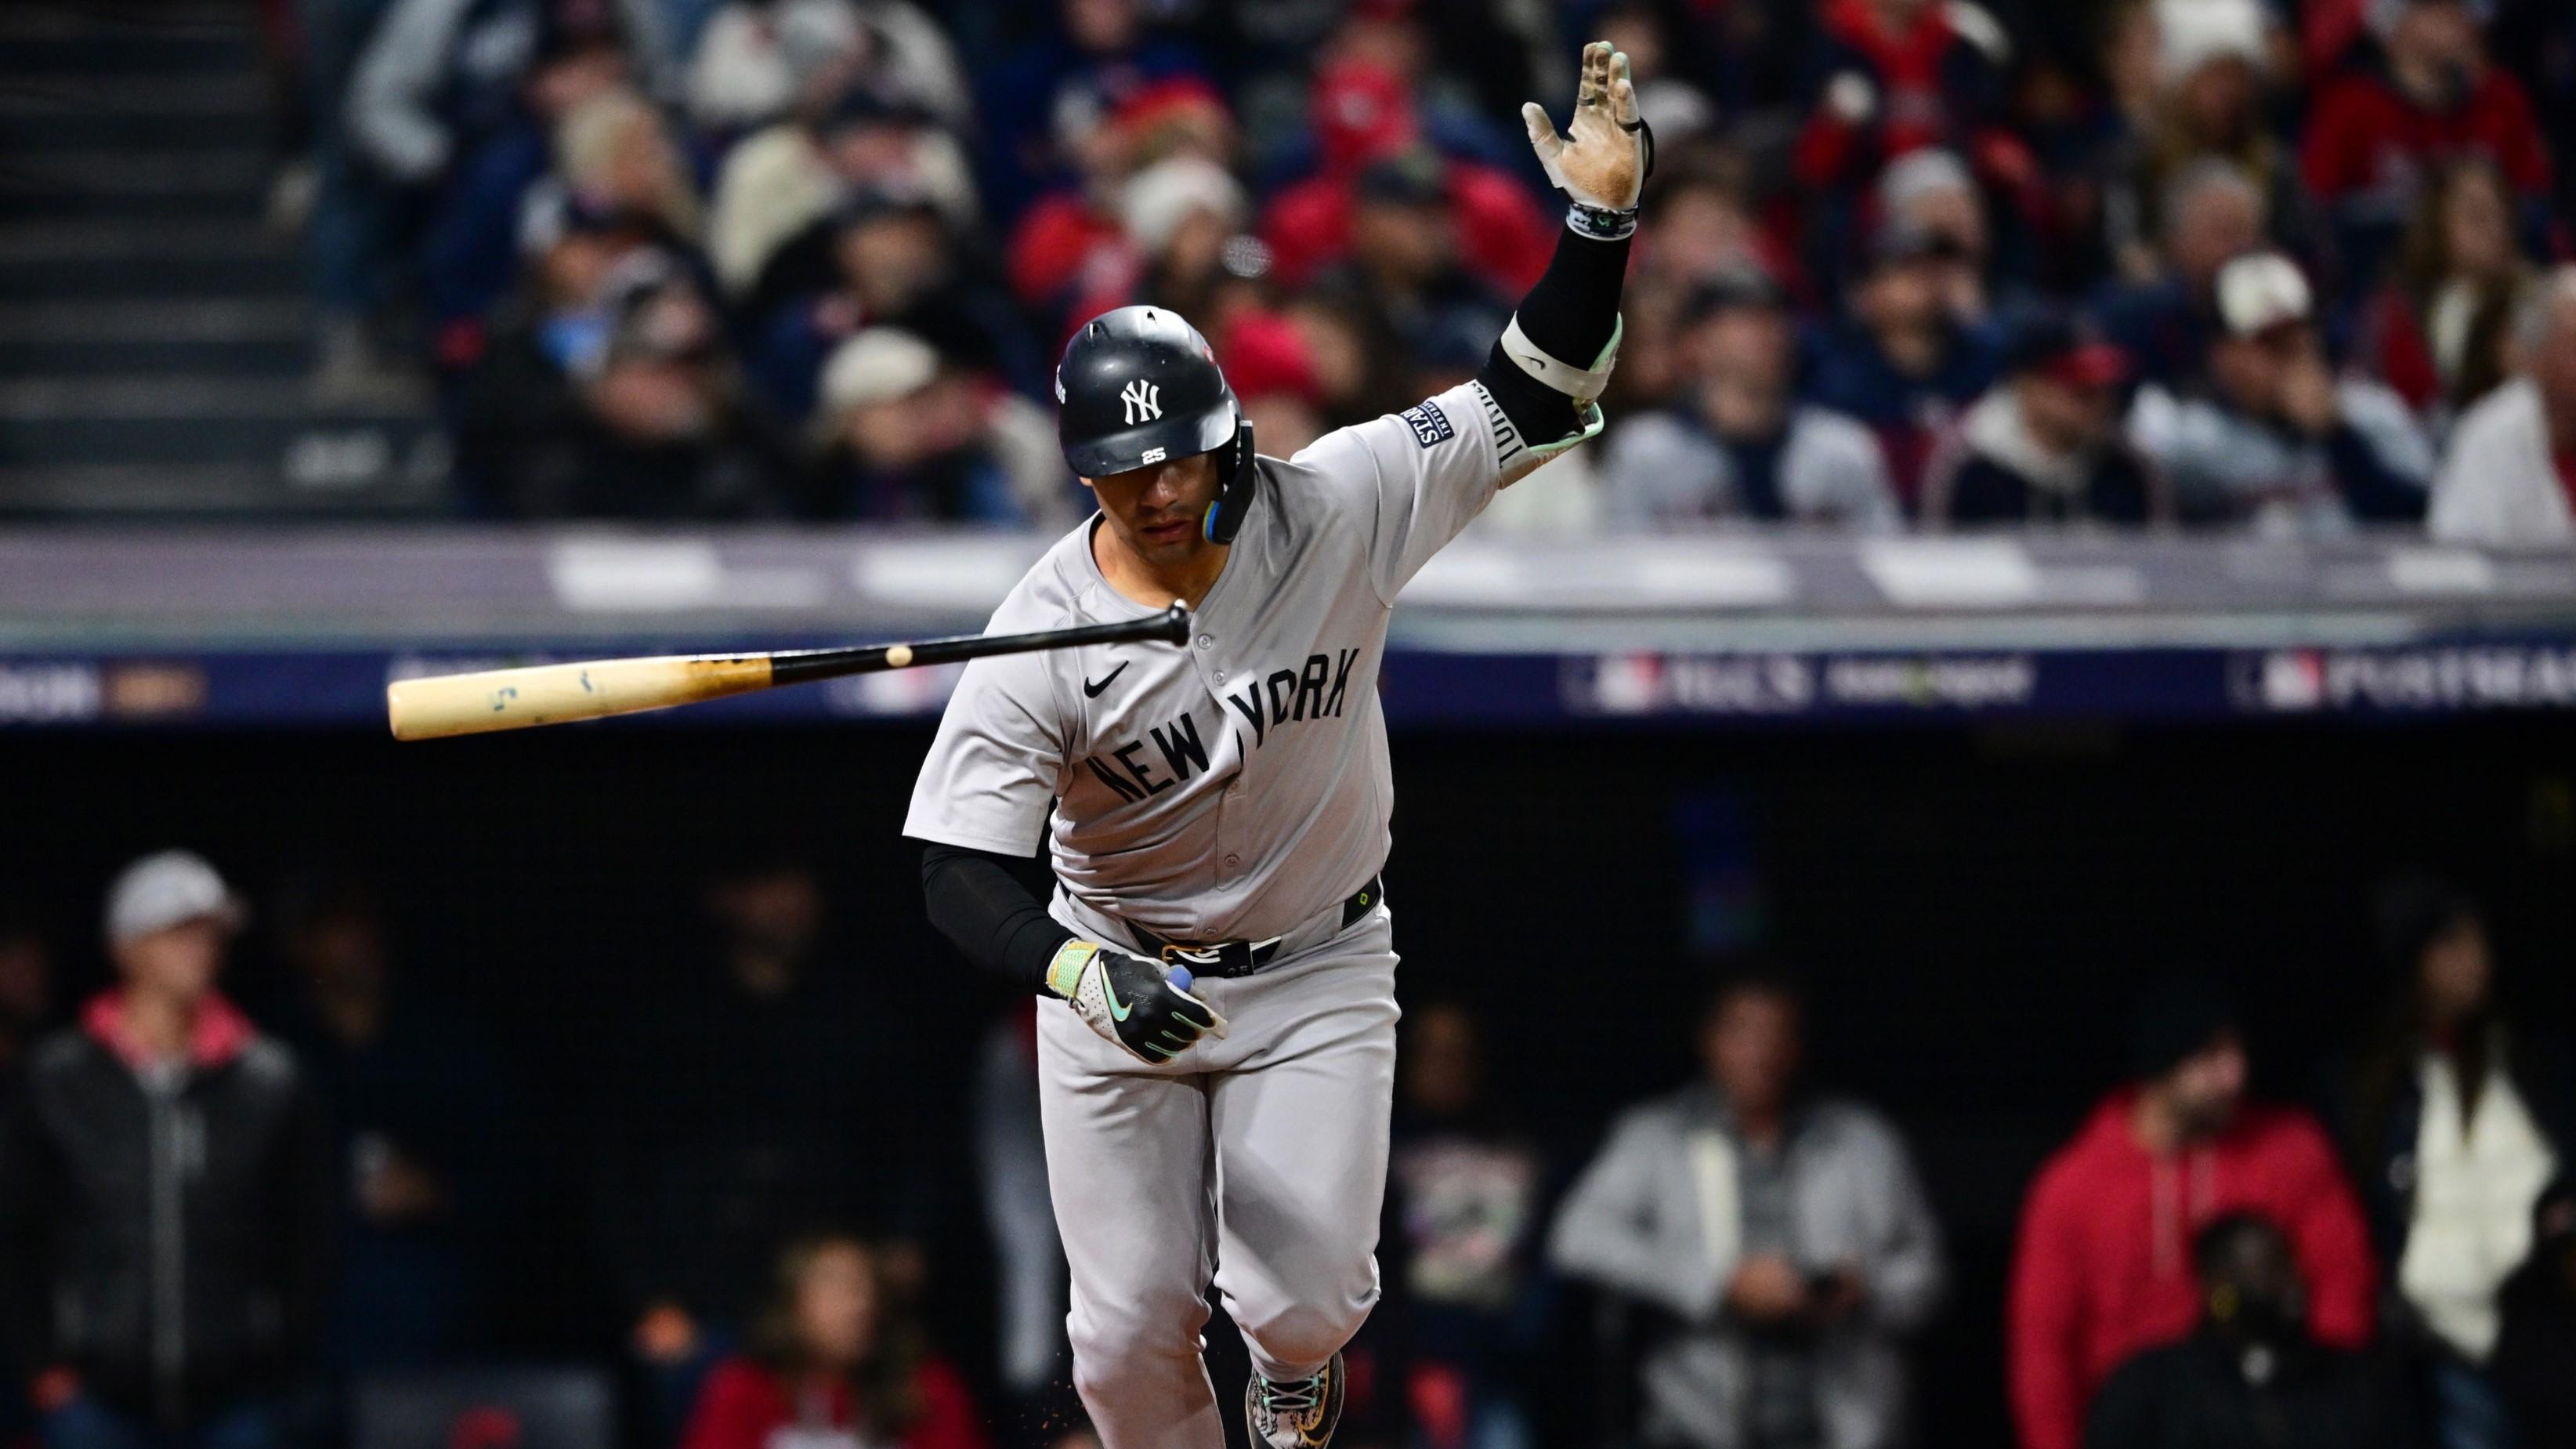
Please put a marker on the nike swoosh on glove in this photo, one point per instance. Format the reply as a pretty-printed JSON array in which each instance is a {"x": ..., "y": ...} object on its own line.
[{"x": 1148, "y": 1012}]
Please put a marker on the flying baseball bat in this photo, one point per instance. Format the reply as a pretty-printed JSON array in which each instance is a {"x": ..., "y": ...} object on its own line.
[{"x": 542, "y": 694}]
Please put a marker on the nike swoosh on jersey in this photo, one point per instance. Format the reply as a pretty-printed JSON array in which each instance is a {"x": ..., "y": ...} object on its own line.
[{"x": 1092, "y": 691}]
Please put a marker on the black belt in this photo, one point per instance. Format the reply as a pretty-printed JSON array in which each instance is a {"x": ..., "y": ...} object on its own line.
[{"x": 1228, "y": 959}]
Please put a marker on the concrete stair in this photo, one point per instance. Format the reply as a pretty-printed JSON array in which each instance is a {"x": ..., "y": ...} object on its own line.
[{"x": 154, "y": 331}]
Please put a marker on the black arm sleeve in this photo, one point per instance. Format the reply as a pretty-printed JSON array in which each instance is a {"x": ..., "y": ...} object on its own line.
[
  {"x": 979, "y": 904},
  {"x": 1570, "y": 315}
]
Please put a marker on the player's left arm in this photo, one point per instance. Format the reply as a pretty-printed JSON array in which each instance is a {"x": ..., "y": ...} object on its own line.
[
  {"x": 1424, "y": 474},
  {"x": 1547, "y": 372}
]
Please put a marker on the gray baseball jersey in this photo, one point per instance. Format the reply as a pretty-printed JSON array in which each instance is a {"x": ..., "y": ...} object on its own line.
[{"x": 1238, "y": 786}]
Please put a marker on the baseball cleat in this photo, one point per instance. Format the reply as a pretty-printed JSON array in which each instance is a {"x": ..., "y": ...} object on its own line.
[{"x": 1299, "y": 1414}]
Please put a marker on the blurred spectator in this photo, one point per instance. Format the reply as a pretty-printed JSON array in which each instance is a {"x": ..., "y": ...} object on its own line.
[
  {"x": 1700, "y": 226},
  {"x": 2102, "y": 1268},
  {"x": 779, "y": 182},
  {"x": 2212, "y": 215},
  {"x": 1076, "y": 241},
  {"x": 479, "y": 223},
  {"x": 441, "y": 76},
  {"x": 351, "y": 231},
  {"x": 2439, "y": 332},
  {"x": 2457, "y": 1118},
  {"x": 1405, "y": 272},
  {"x": 2044, "y": 445},
  {"x": 1892, "y": 76},
  {"x": 1668, "y": 99},
  {"x": 1930, "y": 191},
  {"x": 906, "y": 438},
  {"x": 2083, "y": 124},
  {"x": 1738, "y": 444},
  {"x": 1177, "y": 220},
  {"x": 420, "y": 1125},
  {"x": 1273, "y": 373},
  {"x": 831, "y": 1361},
  {"x": 623, "y": 405},
  {"x": 453, "y": 103},
  {"x": 1180, "y": 213},
  {"x": 1466, "y": 1193},
  {"x": 1905, "y": 362},
  {"x": 165, "y": 1194},
  {"x": 612, "y": 150},
  {"x": 26, "y": 992},
  {"x": 1469, "y": 65},
  {"x": 1356, "y": 379},
  {"x": 2509, "y": 475},
  {"x": 879, "y": 260},
  {"x": 2278, "y": 440},
  {"x": 2213, "y": 64},
  {"x": 1786, "y": 1231},
  {"x": 1042, "y": 104},
  {"x": 2377, "y": 136},
  {"x": 2250, "y": 1376},
  {"x": 761, "y": 61},
  {"x": 1368, "y": 134},
  {"x": 1701, "y": 222},
  {"x": 2538, "y": 1337},
  {"x": 748, "y": 1099}
]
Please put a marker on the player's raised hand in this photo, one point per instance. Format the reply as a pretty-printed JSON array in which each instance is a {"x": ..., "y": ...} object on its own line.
[
  {"x": 1138, "y": 1004},
  {"x": 1603, "y": 159}
]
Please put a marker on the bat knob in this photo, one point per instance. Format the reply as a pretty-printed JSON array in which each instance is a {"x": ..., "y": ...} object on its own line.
[{"x": 1176, "y": 624}]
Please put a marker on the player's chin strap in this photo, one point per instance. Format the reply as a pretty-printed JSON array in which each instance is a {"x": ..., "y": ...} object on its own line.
[
  {"x": 1234, "y": 497},
  {"x": 1583, "y": 384}
]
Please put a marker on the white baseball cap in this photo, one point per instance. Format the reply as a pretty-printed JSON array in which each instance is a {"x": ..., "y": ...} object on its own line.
[
  {"x": 1156, "y": 200},
  {"x": 2192, "y": 33},
  {"x": 878, "y": 365},
  {"x": 165, "y": 890},
  {"x": 2261, "y": 290}
]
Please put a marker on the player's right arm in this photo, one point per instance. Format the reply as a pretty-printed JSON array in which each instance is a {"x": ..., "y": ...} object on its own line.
[
  {"x": 977, "y": 901},
  {"x": 979, "y": 805}
]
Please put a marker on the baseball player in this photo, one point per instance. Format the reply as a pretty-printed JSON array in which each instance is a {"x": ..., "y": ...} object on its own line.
[{"x": 1217, "y": 1067}]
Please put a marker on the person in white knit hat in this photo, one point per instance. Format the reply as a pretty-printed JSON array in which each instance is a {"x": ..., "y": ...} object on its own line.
[{"x": 901, "y": 435}]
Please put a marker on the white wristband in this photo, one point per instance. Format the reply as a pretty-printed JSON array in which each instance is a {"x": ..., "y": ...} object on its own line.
[{"x": 1583, "y": 384}]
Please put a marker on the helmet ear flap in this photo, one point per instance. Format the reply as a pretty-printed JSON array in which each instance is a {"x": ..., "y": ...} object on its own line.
[{"x": 1233, "y": 496}]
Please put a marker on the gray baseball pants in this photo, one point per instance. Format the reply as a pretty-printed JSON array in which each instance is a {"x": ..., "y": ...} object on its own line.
[{"x": 1257, "y": 1163}]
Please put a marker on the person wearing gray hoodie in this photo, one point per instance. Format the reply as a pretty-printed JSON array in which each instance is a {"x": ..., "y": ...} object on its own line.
[{"x": 1786, "y": 1232}]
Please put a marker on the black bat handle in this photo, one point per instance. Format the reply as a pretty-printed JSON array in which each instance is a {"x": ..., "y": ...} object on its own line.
[{"x": 790, "y": 666}]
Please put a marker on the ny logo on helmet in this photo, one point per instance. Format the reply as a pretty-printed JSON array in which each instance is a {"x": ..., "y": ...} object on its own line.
[{"x": 1144, "y": 401}]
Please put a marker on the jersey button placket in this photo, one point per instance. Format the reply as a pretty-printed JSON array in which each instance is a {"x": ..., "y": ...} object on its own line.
[{"x": 1228, "y": 860}]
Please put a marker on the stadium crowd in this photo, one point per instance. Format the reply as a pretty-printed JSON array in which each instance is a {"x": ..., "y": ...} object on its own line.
[
  {"x": 2287, "y": 265},
  {"x": 210, "y": 1224}
]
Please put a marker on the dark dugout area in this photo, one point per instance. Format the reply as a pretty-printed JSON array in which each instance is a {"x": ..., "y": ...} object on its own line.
[{"x": 1972, "y": 911}]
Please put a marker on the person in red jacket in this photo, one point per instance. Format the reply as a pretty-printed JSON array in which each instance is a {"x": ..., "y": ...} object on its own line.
[
  {"x": 1893, "y": 76},
  {"x": 1364, "y": 114},
  {"x": 2378, "y": 135},
  {"x": 2103, "y": 1266},
  {"x": 832, "y": 1364}
]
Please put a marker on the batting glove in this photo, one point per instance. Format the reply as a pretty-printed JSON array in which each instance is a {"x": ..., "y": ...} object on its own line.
[
  {"x": 1148, "y": 1012},
  {"x": 1601, "y": 167}
]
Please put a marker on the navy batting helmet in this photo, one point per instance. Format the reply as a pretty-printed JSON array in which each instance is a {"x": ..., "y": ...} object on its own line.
[{"x": 1137, "y": 387}]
